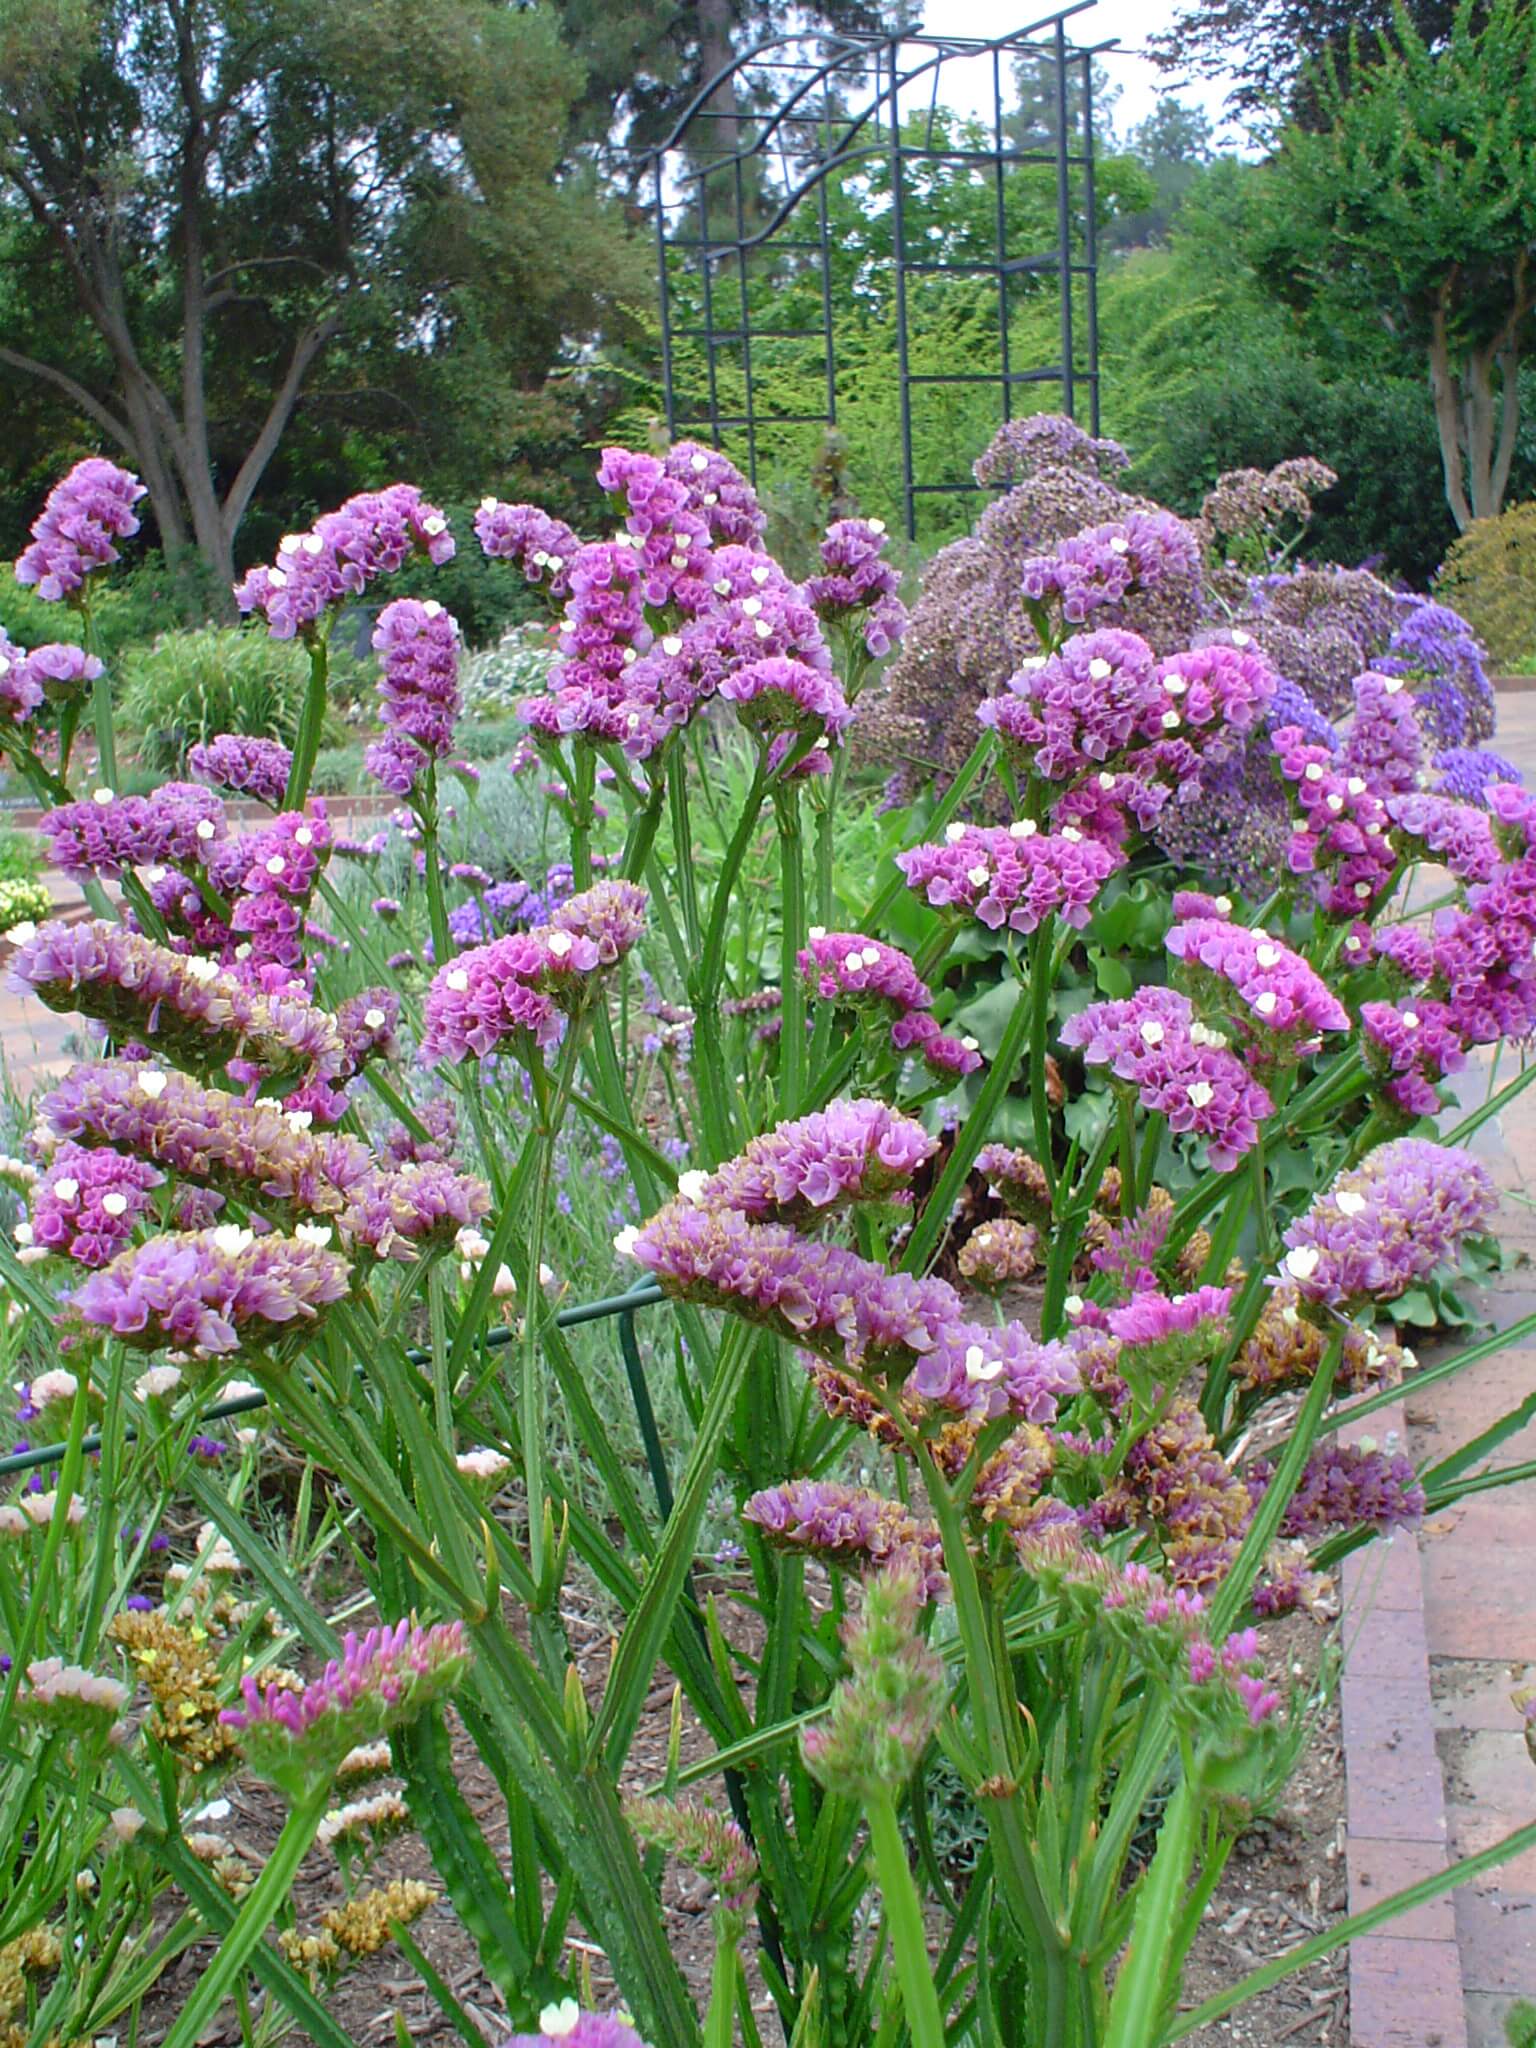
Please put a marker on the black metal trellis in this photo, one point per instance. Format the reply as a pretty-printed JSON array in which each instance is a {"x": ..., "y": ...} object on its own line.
[{"x": 843, "y": 102}]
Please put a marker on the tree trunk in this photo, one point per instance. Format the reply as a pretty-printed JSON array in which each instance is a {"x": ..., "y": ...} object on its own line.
[{"x": 1448, "y": 419}]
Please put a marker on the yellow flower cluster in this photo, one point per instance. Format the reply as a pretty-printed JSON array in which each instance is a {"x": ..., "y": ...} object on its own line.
[
  {"x": 360, "y": 1927},
  {"x": 182, "y": 1676}
]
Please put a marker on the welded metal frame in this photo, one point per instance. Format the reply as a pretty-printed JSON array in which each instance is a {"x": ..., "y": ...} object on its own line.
[{"x": 842, "y": 102}]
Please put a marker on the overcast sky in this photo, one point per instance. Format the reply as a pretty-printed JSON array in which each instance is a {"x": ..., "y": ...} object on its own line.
[{"x": 1127, "y": 21}]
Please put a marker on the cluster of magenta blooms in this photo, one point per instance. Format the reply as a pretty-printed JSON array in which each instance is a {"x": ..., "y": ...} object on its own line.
[{"x": 221, "y": 1210}]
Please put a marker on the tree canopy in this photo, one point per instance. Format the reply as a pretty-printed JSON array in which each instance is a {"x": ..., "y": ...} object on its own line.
[{"x": 205, "y": 203}]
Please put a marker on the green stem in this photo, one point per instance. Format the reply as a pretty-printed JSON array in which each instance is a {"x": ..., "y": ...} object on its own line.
[
  {"x": 311, "y": 724},
  {"x": 437, "y": 908},
  {"x": 1041, "y": 983},
  {"x": 257, "y": 1911},
  {"x": 904, "y": 1923},
  {"x": 786, "y": 811},
  {"x": 720, "y": 2020},
  {"x": 1135, "y": 2012}
]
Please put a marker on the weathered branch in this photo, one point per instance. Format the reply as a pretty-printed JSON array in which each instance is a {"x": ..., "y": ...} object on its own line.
[
  {"x": 75, "y": 391},
  {"x": 307, "y": 347}
]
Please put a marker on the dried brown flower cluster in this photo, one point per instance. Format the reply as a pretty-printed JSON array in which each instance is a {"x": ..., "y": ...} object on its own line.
[
  {"x": 181, "y": 1674},
  {"x": 360, "y": 1927}
]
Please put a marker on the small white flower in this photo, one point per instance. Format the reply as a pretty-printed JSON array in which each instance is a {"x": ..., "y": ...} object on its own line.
[
  {"x": 557, "y": 2021},
  {"x": 970, "y": 1044},
  {"x": 1353, "y": 944},
  {"x": 698, "y": 464},
  {"x": 1394, "y": 684},
  {"x": 762, "y": 629},
  {"x": 1268, "y": 956},
  {"x": 1071, "y": 834},
  {"x": 1267, "y": 1003},
  {"x": 1171, "y": 720},
  {"x": 276, "y": 864},
  {"x": 1411, "y": 1020},
  {"x": 457, "y": 979},
  {"x": 300, "y": 1119},
  {"x": 303, "y": 836},
  {"x": 979, "y": 1368},
  {"x": 1200, "y": 1094},
  {"x": 1313, "y": 772},
  {"x": 870, "y": 957},
  {"x": 761, "y": 574},
  {"x": 853, "y": 962},
  {"x": 691, "y": 1185},
  {"x": 202, "y": 969},
  {"x": 625, "y": 1241},
  {"x": 103, "y": 796},
  {"x": 1119, "y": 545},
  {"x": 374, "y": 1019},
  {"x": 955, "y": 831},
  {"x": 151, "y": 1082},
  {"x": 1100, "y": 669},
  {"x": 22, "y": 934},
  {"x": 1175, "y": 684},
  {"x": 504, "y": 1286},
  {"x": 66, "y": 1190},
  {"x": 751, "y": 606},
  {"x": 1363, "y": 891},
  {"x": 1074, "y": 1305},
  {"x": 1334, "y": 802},
  {"x": 672, "y": 644},
  {"x": 978, "y": 876},
  {"x": 1224, "y": 905},
  {"x": 1303, "y": 1261},
  {"x": 1349, "y": 1203},
  {"x": 559, "y": 944},
  {"x": 1023, "y": 828},
  {"x": 232, "y": 1239},
  {"x": 817, "y": 931},
  {"x": 1107, "y": 781},
  {"x": 316, "y": 1234},
  {"x": 155, "y": 1384},
  {"x": 1241, "y": 639},
  {"x": 206, "y": 828},
  {"x": 1356, "y": 785},
  {"x": 115, "y": 1204},
  {"x": 1152, "y": 1032}
]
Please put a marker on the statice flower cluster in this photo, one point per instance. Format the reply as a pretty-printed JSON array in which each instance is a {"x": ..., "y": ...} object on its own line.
[
  {"x": 884, "y": 1713},
  {"x": 1287, "y": 1347},
  {"x": 1285, "y": 1002},
  {"x": 718, "y": 493},
  {"x": 564, "y": 2023},
  {"x": 1353, "y": 1486},
  {"x": 849, "y": 1525},
  {"x": 371, "y": 535},
  {"x": 1103, "y": 565},
  {"x": 999, "y": 1254},
  {"x": 418, "y": 647},
  {"x": 72, "y": 536},
  {"x": 1468, "y": 773},
  {"x": 1045, "y": 441},
  {"x": 518, "y": 988},
  {"x": 670, "y": 537},
  {"x": 1253, "y": 504},
  {"x": 87, "y": 1204},
  {"x": 849, "y": 1310},
  {"x": 1342, "y": 832},
  {"x": 1179, "y": 1067},
  {"x": 208, "y": 1292},
  {"x": 188, "y": 1007},
  {"x": 858, "y": 583},
  {"x": 1438, "y": 651},
  {"x": 864, "y": 975},
  {"x": 847, "y": 1152},
  {"x": 1012, "y": 876},
  {"x": 1459, "y": 835},
  {"x": 381, "y": 1681},
  {"x": 243, "y": 765},
  {"x": 58, "y": 672},
  {"x": 780, "y": 697},
  {"x": 542, "y": 547},
  {"x": 105, "y": 834},
  {"x": 1387, "y": 1224}
]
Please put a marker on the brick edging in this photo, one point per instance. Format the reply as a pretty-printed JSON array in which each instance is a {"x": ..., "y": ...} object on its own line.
[{"x": 1405, "y": 1988}]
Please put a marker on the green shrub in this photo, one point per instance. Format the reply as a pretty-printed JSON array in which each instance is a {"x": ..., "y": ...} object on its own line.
[
  {"x": 1490, "y": 578},
  {"x": 23, "y": 900},
  {"x": 19, "y": 858},
  {"x": 187, "y": 686},
  {"x": 339, "y": 770}
]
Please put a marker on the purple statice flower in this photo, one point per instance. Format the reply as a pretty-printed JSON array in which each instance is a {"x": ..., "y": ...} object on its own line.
[
  {"x": 1045, "y": 441},
  {"x": 718, "y": 493},
  {"x": 373, "y": 534},
  {"x": 610, "y": 915},
  {"x": 187, "y": 1007},
  {"x": 857, "y": 580},
  {"x": 248, "y": 766},
  {"x": 367, "y": 1023},
  {"x": 418, "y": 647},
  {"x": 945, "y": 1057},
  {"x": 493, "y": 994},
  {"x": 1016, "y": 1179},
  {"x": 440, "y": 1121},
  {"x": 1413, "y": 1043},
  {"x": 1458, "y": 834},
  {"x": 1468, "y": 773},
  {"x": 61, "y": 671},
  {"x": 1388, "y": 1223},
  {"x": 1437, "y": 651},
  {"x": 208, "y": 1291},
  {"x": 1342, "y": 831},
  {"x": 541, "y": 545},
  {"x": 286, "y": 857},
  {"x": 782, "y": 696},
  {"x": 999, "y": 1254},
  {"x": 1104, "y": 565},
  {"x": 670, "y": 537},
  {"x": 849, "y": 1525},
  {"x": 1281, "y": 995},
  {"x": 856, "y": 972},
  {"x": 854, "y": 1313},
  {"x": 847, "y": 1152},
  {"x": 72, "y": 536},
  {"x": 381, "y": 1681},
  {"x": 177, "y": 826},
  {"x": 88, "y": 1203},
  {"x": 1153, "y": 1321},
  {"x": 604, "y": 631},
  {"x": 20, "y": 691},
  {"x": 207, "y": 1450},
  {"x": 1013, "y": 876},
  {"x": 564, "y": 2023},
  {"x": 1179, "y": 1067},
  {"x": 404, "y": 1210},
  {"x": 1384, "y": 744},
  {"x": 1347, "y": 1486}
]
